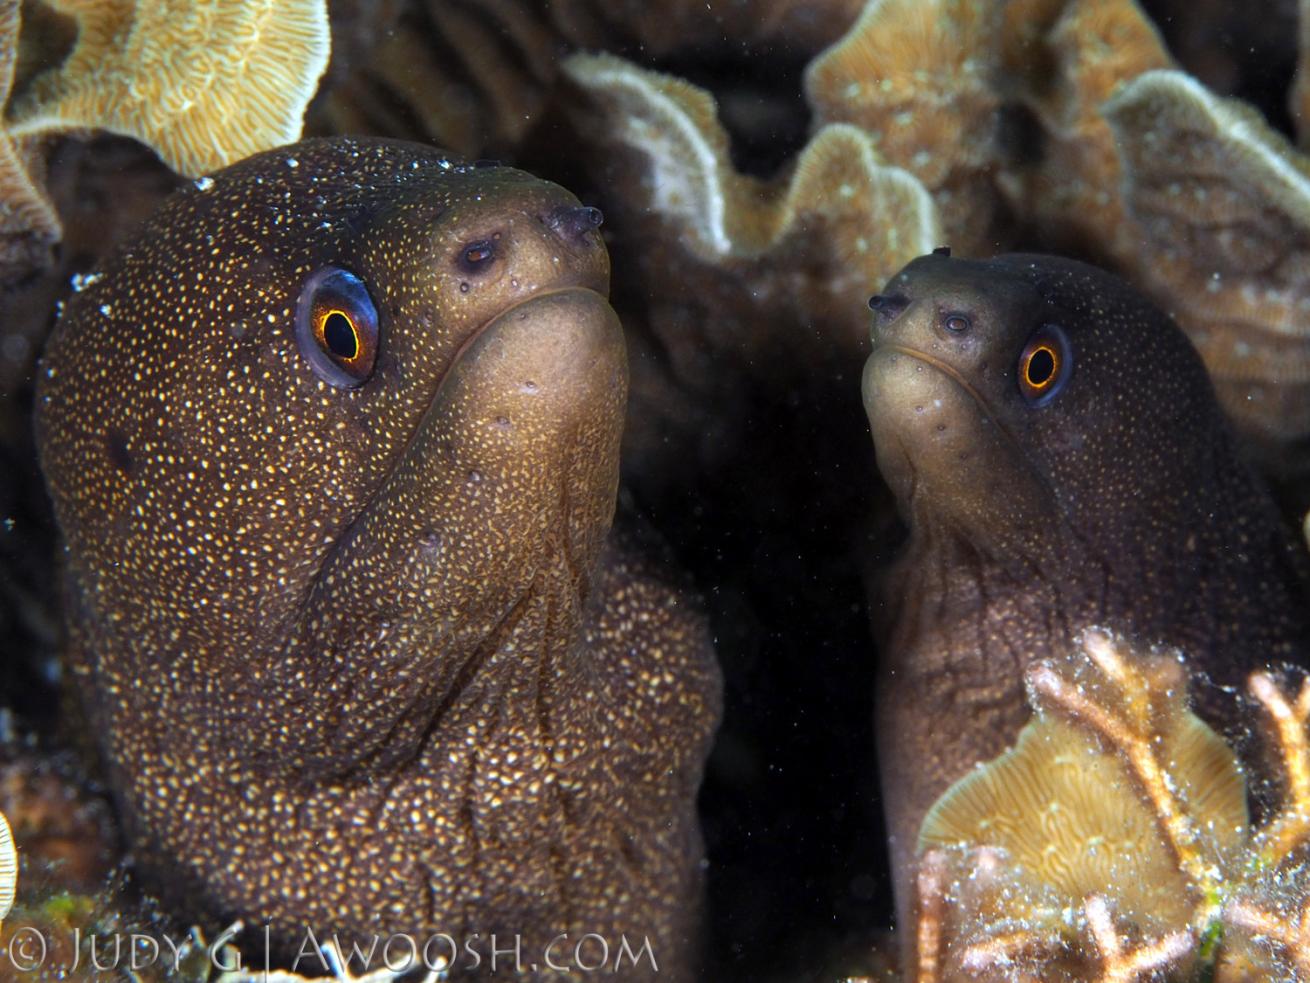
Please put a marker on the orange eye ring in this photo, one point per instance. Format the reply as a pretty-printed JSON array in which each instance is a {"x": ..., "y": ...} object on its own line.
[
  {"x": 1041, "y": 367},
  {"x": 1045, "y": 364},
  {"x": 336, "y": 332}
]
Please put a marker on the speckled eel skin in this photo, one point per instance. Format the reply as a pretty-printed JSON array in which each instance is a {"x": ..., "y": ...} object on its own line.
[
  {"x": 1055, "y": 448},
  {"x": 333, "y": 446}
]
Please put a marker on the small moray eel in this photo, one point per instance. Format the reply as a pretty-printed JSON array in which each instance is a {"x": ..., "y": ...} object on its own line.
[
  {"x": 333, "y": 446},
  {"x": 1056, "y": 451}
]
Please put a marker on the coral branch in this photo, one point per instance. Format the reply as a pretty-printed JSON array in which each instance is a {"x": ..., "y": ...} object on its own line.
[
  {"x": 1291, "y": 827},
  {"x": 932, "y": 912},
  {"x": 1292, "y": 935},
  {"x": 1122, "y": 966},
  {"x": 1130, "y": 733}
]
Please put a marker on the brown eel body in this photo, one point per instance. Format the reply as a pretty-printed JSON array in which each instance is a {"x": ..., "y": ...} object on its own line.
[
  {"x": 333, "y": 446},
  {"x": 1056, "y": 451}
]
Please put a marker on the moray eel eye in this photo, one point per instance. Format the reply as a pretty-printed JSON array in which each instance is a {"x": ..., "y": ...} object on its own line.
[
  {"x": 337, "y": 327},
  {"x": 957, "y": 323},
  {"x": 1045, "y": 365}
]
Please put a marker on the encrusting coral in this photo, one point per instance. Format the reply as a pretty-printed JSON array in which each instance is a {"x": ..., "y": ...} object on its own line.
[
  {"x": 1113, "y": 840},
  {"x": 746, "y": 285},
  {"x": 1060, "y": 61},
  {"x": 1192, "y": 196},
  {"x": 840, "y": 199},
  {"x": 735, "y": 276},
  {"x": 919, "y": 79},
  {"x": 28, "y": 225},
  {"x": 1220, "y": 205},
  {"x": 1298, "y": 99},
  {"x": 202, "y": 84}
]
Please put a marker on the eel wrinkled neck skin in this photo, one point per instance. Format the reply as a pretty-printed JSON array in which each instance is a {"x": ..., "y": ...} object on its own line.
[
  {"x": 1115, "y": 497},
  {"x": 365, "y": 656}
]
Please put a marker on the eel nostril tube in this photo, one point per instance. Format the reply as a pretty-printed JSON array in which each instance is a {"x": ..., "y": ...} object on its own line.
[
  {"x": 573, "y": 221},
  {"x": 888, "y": 306}
]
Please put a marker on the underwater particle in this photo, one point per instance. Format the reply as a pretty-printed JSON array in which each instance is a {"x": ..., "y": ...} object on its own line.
[
  {"x": 29, "y": 227},
  {"x": 1220, "y": 210},
  {"x": 203, "y": 85},
  {"x": 918, "y": 79},
  {"x": 8, "y": 868}
]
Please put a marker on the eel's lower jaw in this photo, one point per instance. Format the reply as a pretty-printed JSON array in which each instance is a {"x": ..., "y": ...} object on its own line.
[{"x": 499, "y": 316}]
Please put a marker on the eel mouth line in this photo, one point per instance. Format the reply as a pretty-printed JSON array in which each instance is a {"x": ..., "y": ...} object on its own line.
[
  {"x": 948, "y": 370},
  {"x": 481, "y": 329}
]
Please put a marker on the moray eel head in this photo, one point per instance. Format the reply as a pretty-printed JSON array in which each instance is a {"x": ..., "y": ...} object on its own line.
[
  {"x": 1004, "y": 394},
  {"x": 323, "y": 427}
]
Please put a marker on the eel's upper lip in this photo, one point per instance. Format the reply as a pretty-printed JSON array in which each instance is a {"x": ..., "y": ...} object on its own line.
[{"x": 950, "y": 371}]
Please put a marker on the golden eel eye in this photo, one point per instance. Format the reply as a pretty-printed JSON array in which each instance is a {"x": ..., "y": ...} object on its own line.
[
  {"x": 1045, "y": 365},
  {"x": 337, "y": 327}
]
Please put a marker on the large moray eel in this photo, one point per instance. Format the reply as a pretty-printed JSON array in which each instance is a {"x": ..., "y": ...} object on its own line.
[{"x": 333, "y": 445}]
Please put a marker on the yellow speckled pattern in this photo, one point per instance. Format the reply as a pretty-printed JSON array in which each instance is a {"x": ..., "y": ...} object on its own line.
[{"x": 369, "y": 659}]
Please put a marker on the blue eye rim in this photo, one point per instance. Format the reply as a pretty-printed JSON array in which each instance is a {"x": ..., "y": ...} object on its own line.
[
  {"x": 1045, "y": 365},
  {"x": 335, "y": 307}
]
